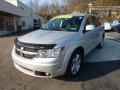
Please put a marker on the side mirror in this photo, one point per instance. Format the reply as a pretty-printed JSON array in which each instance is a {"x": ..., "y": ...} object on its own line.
[{"x": 90, "y": 27}]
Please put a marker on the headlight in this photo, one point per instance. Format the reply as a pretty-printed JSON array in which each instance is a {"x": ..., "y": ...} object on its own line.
[{"x": 49, "y": 53}]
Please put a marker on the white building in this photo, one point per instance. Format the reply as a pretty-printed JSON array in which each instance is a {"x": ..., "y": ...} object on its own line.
[{"x": 15, "y": 15}]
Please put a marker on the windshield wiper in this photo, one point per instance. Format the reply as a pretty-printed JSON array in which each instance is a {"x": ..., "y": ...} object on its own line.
[
  {"x": 54, "y": 29},
  {"x": 59, "y": 29}
]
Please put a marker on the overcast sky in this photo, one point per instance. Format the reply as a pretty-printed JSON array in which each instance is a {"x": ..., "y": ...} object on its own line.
[{"x": 41, "y": 1}]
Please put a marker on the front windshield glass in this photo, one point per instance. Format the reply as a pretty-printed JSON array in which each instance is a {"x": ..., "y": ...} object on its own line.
[{"x": 64, "y": 24}]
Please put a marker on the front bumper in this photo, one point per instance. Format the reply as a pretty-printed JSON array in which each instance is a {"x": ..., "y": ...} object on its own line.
[{"x": 51, "y": 67}]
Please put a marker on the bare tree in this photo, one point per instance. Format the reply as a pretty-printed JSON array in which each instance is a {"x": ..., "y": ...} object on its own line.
[
  {"x": 66, "y": 6},
  {"x": 34, "y": 5}
]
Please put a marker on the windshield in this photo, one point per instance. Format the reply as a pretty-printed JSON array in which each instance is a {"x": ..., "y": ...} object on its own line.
[{"x": 64, "y": 24}]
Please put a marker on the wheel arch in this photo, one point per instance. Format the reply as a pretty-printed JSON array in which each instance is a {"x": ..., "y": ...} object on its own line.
[{"x": 81, "y": 49}]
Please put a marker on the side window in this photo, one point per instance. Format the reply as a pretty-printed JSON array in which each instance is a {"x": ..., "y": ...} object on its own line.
[
  {"x": 96, "y": 21},
  {"x": 23, "y": 23},
  {"x": 88, "y": 22}
]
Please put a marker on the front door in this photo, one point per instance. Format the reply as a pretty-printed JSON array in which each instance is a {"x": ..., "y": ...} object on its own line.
[{"x": 89, "y": 37}]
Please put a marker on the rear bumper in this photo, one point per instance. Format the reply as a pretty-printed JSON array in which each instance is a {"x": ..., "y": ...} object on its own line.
[{"x": 51, "y": 67}]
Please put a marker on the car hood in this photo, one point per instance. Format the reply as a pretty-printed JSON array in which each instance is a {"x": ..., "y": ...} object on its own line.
[{"x": 46, "y": 37}]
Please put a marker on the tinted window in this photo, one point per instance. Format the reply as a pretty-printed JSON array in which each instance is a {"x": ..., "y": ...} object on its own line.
[
  {"x": 64, "y": 24},
  {"x": 88, "y": 22}
]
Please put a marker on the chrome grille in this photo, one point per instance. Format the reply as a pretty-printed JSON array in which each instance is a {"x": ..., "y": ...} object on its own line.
[
  {"x": 29, "y": 51},
  {"x": 25, "y": 55}
]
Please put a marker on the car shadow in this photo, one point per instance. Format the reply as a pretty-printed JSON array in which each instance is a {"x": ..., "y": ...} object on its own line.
[{"x": 93, "y": 70}]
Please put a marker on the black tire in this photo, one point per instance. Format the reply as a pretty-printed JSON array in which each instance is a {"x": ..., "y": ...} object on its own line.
[
  {"x": 100, "y": 45},
  {"x": 73, "y": 68}
]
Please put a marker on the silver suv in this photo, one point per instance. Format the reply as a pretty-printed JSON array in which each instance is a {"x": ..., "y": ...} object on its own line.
[{"x": 59, "y": 47}]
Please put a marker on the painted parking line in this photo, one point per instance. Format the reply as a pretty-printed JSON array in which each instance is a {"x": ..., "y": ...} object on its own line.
[{"x": 109, "y": 52}]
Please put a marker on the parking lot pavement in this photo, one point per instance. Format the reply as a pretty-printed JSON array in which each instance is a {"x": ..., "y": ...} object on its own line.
[
  {"x": 113, "y": 35},
  {"x": 100, "y": 71},
  {"x": 110, "y": 52}
]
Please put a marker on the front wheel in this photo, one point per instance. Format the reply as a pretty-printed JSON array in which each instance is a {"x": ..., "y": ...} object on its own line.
[{"x": 74, "y": 64}]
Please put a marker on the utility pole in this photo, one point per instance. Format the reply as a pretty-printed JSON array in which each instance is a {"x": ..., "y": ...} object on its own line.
[{"x": 90, "y": 7}]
